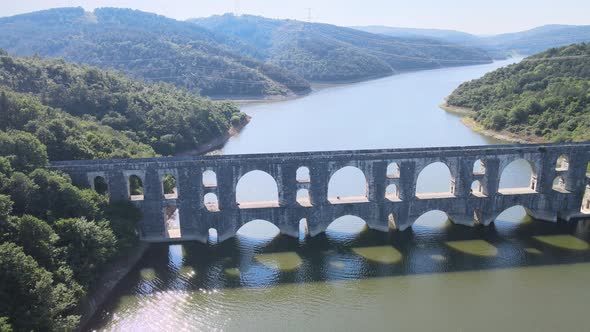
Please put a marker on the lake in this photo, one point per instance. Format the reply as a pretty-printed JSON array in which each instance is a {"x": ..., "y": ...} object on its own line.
[{"x": 517, "y": 274}]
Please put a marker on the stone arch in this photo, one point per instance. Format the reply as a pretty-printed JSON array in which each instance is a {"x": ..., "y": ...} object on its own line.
[
  {"x": 562, "y": 163},
  {"x": 391, "y": 222},
  {"x": 392, "y": 193},
  {"x": 348, "y": 185},
  {"x": 519, "y": 176},
  {"x": 209, "y": 178},
  {"x": 477, "y": 189},
  {"x": 393, "y": 171},
  {"x": 435, "y": 181},
  {"x": 257, "y": 189},
  {"x": 99, "y": 184},
  {"x": 559, "y": 184},
  {"x": 432, "y": 219},
  {"x": 302, "y": 175},
  {"x": 258, "y": 229},
  {"x": 479, "y": 167},
  {"x": 211, "y": 202},
  {"x": 169, "y": 186},
  {"x": 586, "y": 201},
  {"x": 303, "y": 197},
  {"x": 513, "y": 214},
  {"x": 303, "y": 229},
  {"x": 347, "y": 224},
  {"x": 136, "y": 190},
  {"x": 172, "y": 221},
  {"x": 212, "y": 236}
]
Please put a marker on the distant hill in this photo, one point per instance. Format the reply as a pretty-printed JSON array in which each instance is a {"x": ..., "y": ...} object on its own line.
[
  {"x": 323, "y": 52},
  {"x": 447, "y": 35},
  {"x": 82, "y": 112},
  {"x": 524, "y": 42},
  {"x": 545, "y": 96},
  {"x": 539, "y": 39},
  {"x": 148, "y": 46}
]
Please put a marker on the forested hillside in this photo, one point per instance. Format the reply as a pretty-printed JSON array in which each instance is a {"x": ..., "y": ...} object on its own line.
[
  {"x": 546, "y": 95},
  {"x": 82, "y": 112},
  {"x": 323, "y": 52},
  {"x": 148, "y": 46}
]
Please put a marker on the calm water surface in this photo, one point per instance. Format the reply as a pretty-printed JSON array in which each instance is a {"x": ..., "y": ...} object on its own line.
[{"x": 516, "y": 275}]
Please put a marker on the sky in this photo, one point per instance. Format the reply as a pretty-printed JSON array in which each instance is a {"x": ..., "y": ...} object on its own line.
[{"x": 482, "y": 17}]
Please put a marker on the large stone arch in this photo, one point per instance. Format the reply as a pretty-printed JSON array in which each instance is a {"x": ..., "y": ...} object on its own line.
[
  {"x": 347, "y": 184},
  {"x": 438, "y": 165},
  {"x": 511, "y": 163},
  {"x": 256, "y": 189},
  {"x": 260, "y": 229}
]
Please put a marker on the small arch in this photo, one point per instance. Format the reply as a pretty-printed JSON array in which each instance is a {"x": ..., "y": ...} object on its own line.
[
  {"x": 392, "y": 193},
  {"x": 303, "y": 197},
  {"x": 479, "y": 168},
  {"x": 586, "y": 201},
  {"x": 211, "y": 203},
  {"x": 257, "y": 189},
  {"x": 258, "y": 229},
  {"x": 169, "y": 186},
  {"x": 347, "y": 224},
  {"x": 393, "y": 171},
  {"x": 435, "y": 181},
  {"x": 212, "y": 236},
  {"x": 302, "y": 175},
  {"x": 518, "y": 177},
  {"x": 348, "y": 185},
  {"x": 434, "y": 219},
  {"x": 303, "y": 229},
  {"x": 562, "y": 163},
  {"x": 559, "y": 184},
  {"x": 209, "y": 179},
  {"x": 135, "y": 188},
  {"x": 391, "y": 222},
  {"x": 172, "y": 221},
  {"x": 100, "y": 185},
  {"x": 477, "y": 189}
]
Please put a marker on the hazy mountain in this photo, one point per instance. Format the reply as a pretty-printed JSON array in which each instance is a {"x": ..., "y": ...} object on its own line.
[
  {"x": 323, "y": 52},
  {"x": 447, "y": 35},
  {"x": 148, "y": 46},
  {"x": 524, "y": 42},
  {"x": 540, "y": 39}
]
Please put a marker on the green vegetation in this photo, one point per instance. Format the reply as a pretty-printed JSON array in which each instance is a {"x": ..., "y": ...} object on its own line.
[
  {"x": 323, "y": 52},
  {"x": 55, "y": 238},
  {"x": 150, "y": 47},
  {"x": 82, "y": 112},
  {"x": 545, "y": 96}
]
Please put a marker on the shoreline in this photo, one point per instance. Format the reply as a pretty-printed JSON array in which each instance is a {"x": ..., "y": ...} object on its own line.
[
  {"x": 111, "y": 276},
  {"x": 503, "y": 135}
]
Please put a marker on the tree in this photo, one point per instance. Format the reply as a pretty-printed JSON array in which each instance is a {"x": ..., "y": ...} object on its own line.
[
  {"x": 37, "y": 239},
  {"x": 25, "y": 151},
  {"x": 88, "y": 245}
]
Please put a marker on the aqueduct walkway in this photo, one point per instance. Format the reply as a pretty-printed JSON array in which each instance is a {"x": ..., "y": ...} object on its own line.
[{"x": 543, "y": 200}]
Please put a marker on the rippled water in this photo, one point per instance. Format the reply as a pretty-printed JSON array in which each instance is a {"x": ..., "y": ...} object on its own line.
[{"x": 516, "y": 275}]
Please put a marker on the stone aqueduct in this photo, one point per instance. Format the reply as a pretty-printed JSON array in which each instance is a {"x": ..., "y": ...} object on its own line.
[{"x": 543, "y": 199}]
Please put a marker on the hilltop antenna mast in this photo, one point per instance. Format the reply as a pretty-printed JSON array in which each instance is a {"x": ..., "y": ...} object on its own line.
[{"x": 309, "y": 17}]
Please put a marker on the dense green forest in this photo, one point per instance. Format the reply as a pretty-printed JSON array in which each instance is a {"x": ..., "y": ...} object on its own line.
[
  {"x": 546, "y": 95},
  {"x": 150, "y": 47},
  {"x": 323, "y": 52},
  {"x": 100, "y": 114},
  {"x": 54, "y": 237}
]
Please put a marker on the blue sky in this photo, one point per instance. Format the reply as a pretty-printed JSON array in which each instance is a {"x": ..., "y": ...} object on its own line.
[{"x": 475, "y": 16}]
